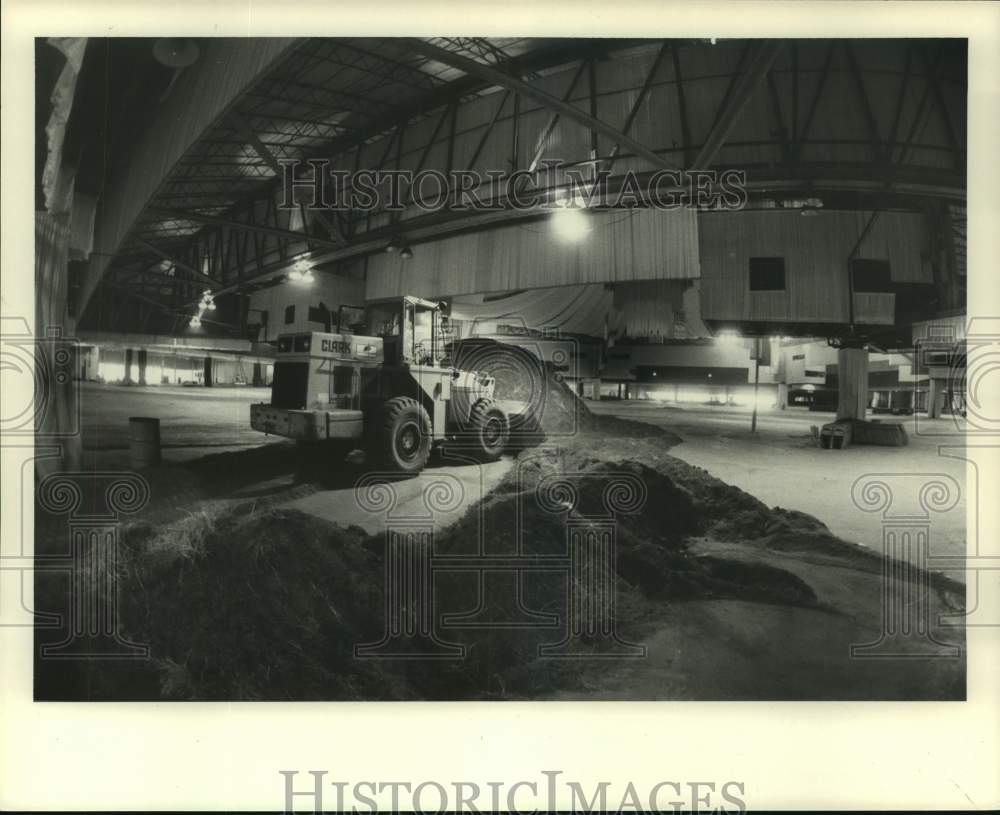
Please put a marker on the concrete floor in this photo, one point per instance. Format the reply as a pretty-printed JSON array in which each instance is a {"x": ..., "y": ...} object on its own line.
[
  {"x": 779, "y": 464},
  {"x": 471, "y": 483},
  {"x": 194, "y": 421}
]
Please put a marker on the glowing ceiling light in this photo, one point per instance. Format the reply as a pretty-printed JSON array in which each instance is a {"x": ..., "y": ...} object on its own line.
[
  {"x": 728, "y": 337},
  {"x": 569, "y": 221},
  {"x": 195, "y": 321},
  {"x": 570, "y": 225},
  {"x": 301, "y": 272}
]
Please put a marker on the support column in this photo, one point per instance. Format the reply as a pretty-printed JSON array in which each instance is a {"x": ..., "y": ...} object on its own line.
[
  {"x": 258, "y": 376},
  {"x": 934, "y": 391},
  {"x": 852, "y": 377},
  {"x": 208, "y": 372},
  {"x": 782, "y": 395},
  {"x": 56, "y": 415},
  {"x": 128, "y": 366},
  {"x": 142, "y": 366}
]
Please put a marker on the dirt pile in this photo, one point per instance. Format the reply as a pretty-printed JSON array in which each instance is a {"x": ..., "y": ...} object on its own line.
[
  {"x": 671, "y": 507},
  {"x": 529, "y": 513},
  {"x": 724, "y": 512},
  {"x": 246, "y": 603},
  {"x": 250, "y": 604},
  {"x": 563, "y": 411},
  {"x": 255, "y": 605},
  {"x": 540, "y": 401},
  {"x": 552, "y": 408}
]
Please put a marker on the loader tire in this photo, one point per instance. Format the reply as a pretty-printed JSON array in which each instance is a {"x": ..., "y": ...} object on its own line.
[
  {"x": 405, "y": 441},
  {"x": 490, "y": 430}
]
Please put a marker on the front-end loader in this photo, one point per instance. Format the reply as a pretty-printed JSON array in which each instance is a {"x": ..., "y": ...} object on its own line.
[{"x": 387, "y": 387}]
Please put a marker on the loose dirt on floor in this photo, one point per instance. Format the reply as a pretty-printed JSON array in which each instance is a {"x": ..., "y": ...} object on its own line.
[
  {"x": 252, "y": 600},
  {"x": 241, "y": 597}
]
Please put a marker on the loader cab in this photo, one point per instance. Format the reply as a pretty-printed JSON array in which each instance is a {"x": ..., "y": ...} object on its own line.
[
  {"x": 351, "y": 320},
  {"x": 411, "y": 330}
]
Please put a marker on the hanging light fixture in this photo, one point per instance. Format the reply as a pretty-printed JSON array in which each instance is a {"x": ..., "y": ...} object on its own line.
[
  {"x": 569, "y": 220},
  {"x": 302, "y": 273},
  {"x": 406, "y": 252}
]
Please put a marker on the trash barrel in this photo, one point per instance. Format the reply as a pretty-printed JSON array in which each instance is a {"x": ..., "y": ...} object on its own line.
[{"x": 143, "y": 441}]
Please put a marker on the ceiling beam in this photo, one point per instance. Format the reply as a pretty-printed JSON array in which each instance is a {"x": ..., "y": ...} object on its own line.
[
  {"x": 163, "y": 307},
  {"x": 180, "y": 264},
  {"x": 519, "y": 86},
  {"x": 863, "y": 179},
  {"x": 132, "y": 274},
  {"x": 779, "y": 119},
  {"x": 160, "y": 306},
  {"x": 866, "y": 105},
  {"x": 246, "y": 132},
  {"x": 939, "y": 98},
  {"x": 488, "y": 130},
  {"x": 543, "y": 136},
  {"x": 803, "y": 136},
  {"x": 563, "y": 51},
  {"x": 758, "y": 64},
  {"x": 216, "y": 220},
  {"x": 641, "y": 97}
]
